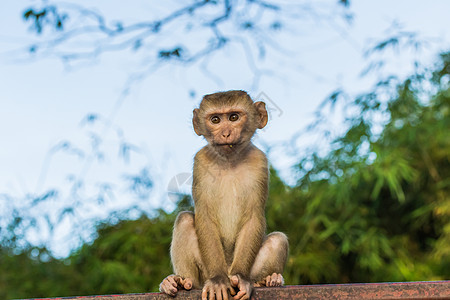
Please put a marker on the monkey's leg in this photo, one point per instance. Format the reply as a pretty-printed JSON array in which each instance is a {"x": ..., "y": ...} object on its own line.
[
  {"x": 184, "y": 251},
  {"x": 270, "y": 261},
  {"x": 185, "y": 256}
]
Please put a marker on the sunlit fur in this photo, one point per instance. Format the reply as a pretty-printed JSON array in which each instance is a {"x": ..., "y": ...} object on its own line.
[
  {"x": 224, "y": 242},
  {"x": 241, "y": 131}
]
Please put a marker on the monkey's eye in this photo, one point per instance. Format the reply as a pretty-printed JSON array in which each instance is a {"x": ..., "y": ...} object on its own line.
[
  {"x": 233, "y": 117},
  {"x": 215, "y": 119}
]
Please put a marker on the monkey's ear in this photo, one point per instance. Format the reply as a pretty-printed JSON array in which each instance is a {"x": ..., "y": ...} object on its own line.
[
  {"x": 262, "y": 114},
  {"x": 196, "y": 122}
]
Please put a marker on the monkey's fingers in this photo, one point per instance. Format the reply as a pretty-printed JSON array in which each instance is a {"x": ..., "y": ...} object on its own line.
[
  {"x": 241, "y": 295},
  {"x": 206, "y": 290},
  {"x": 232, "y": 291},
  {"x": 276, "y": 280},
  {"x": 218, "y": 295},
  {"x": 260, "y": 283},
  {"x": 268, "y": 278},
  {"x": 172, "y": 281},
  {"x": 187, "y": 284},
  {"x": 167, "y": 287},
  {"x": 225, "y": 292},
  {"x": 273, "y": 280},
  {"x": 245, "y": 288},
  {"x": 280, "y": 280},
  {"x": 234, "y": 280},
  {"x": 178, "y": 280},
  {"x": 222, "y": 293}
]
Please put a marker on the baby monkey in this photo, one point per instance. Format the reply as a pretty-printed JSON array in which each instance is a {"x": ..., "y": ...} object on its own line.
[{"x": 222, "y": 248}]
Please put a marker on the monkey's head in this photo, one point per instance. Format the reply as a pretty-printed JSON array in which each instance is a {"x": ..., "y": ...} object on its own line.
[{"x": 228, "y": 120}]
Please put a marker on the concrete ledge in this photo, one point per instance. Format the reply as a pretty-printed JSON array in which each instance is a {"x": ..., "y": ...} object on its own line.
[{"x": 397, "y": 290}]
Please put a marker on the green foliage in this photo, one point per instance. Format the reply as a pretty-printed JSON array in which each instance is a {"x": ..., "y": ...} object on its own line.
[
  {"x": 376, "y": 207},
  {"x": 130, "y": 256},
  {"x": 33, "y": 273}
]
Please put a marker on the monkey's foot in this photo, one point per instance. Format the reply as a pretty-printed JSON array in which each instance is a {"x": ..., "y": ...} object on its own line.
[
  {"x": 217, "y": 288},
  {"x": 271, "y": 280},
  {"x": 173, "y": 283}
]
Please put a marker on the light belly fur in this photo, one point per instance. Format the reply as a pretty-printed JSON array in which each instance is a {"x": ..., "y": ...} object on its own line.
[{"x": 230, "y": 195}]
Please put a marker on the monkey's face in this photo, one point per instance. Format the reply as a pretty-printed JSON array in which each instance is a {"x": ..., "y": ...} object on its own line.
[
  {"x": 227, "y": 128},
  {"x": 228, "y": 120}
]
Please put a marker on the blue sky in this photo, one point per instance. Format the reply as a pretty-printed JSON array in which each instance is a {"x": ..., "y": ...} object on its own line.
[{"x": 42, "y": 103}]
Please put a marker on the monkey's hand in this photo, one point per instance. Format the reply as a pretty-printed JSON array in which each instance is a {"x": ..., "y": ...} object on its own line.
[
  {"x": 217, "y": 288},
  {"x": 243, "y": 285},
  {"x": 172, "y": 283}
]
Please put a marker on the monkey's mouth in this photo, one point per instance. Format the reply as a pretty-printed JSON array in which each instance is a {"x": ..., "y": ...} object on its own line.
[{"x": 227, "y": 146}]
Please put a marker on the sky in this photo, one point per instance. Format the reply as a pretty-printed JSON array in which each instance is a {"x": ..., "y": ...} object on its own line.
[{"x": 45, "y": 144}]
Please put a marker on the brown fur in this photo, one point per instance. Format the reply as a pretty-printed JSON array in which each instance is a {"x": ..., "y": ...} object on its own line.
[{"x": 223, "y": 245}]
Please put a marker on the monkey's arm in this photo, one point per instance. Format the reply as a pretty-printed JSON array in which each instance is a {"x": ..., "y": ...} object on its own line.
[
  {"x": 251, "y": 235},
  {"x": 210, "y": 245},
  {"x": 208, "y": 235},
  {"x": 248, "y": 244}
]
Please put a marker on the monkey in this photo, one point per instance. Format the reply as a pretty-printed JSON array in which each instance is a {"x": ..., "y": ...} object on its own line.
[{"x": 222, "y": 247}]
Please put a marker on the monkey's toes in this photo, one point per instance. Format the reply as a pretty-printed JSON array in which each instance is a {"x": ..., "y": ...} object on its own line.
[{"x": 274, "y": 280}]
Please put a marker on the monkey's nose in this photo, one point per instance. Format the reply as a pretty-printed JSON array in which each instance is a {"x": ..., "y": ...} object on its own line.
[{"x": 226, "y": 134}]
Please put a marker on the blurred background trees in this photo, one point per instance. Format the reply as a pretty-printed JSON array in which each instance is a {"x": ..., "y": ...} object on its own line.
[{"x": 372, "y": 206}]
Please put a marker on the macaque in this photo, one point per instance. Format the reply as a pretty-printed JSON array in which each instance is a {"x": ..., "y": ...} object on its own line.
[{"x": 222, "y": 248}]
